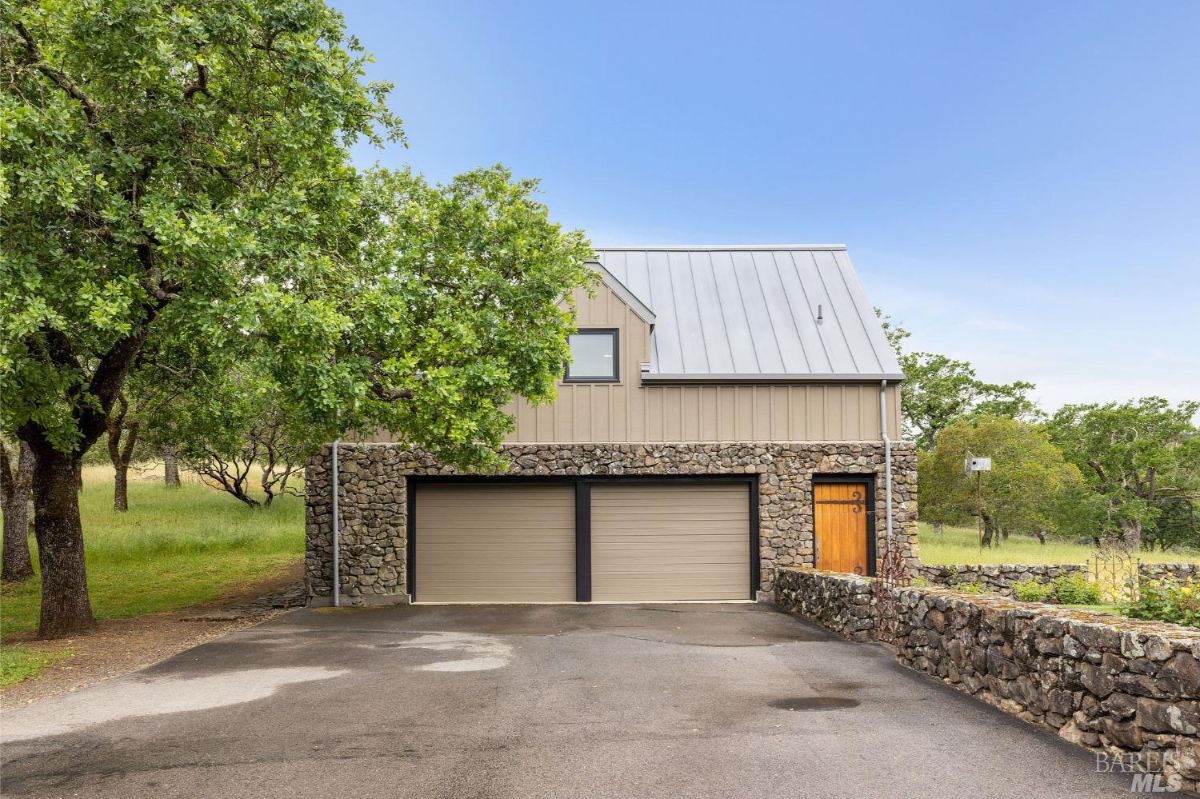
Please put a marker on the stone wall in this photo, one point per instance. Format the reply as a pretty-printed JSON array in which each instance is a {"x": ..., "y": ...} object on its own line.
[
  {"x": 1125, "y": 687},
  {"x": 1000, "y": 579},
  {"x": 1168, "y": 571},
  {"x": 844, "y": 605},
  {"x": 373, "y": 497}
]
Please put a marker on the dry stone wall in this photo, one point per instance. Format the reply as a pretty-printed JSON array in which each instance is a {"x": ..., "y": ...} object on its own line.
[
  {"x": 374, "y": 512},
  {"x": 1000, "y": 579},
  {"x": 1125, "y": 687}
]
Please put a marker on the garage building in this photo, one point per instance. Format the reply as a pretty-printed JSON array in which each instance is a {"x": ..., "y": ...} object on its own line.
[{"x": 726, "y": 410}]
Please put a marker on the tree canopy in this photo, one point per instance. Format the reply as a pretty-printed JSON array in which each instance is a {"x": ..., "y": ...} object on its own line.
[
  {"x": 1031, "y": 488},
  {"x": 939, "y": 390},
  {"x": 176, "y": 175},
  {"x": 1141, "y": 456}
]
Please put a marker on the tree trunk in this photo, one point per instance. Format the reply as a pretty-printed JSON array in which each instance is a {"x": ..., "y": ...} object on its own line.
[
  {"x": 66, "y": 609},
  {"x": 121, "y": 486},
  {"x": 939, "y": 528},
  {"x": 1131, "y": 530},
  {"x": 989, "y": 532},
  {"x": 16, "y": 481},
  {"x": 170, "y": 467}
]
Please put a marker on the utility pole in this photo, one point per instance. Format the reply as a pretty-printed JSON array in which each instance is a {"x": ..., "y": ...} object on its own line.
[{"x": 977, "y": 466}]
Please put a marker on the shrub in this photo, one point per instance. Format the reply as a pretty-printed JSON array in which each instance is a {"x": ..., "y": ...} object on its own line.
[
  {"x": 1032, "y": 591},
  {"x": 1164, "y": 600},
  {"x": 1076, "y": 589},
  {"x": 971, "y": 588}
]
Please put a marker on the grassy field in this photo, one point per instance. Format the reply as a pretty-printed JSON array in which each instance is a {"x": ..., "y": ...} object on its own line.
[
  {"x": 960, "y": 545},
  {"x": 174, "y": 548}
]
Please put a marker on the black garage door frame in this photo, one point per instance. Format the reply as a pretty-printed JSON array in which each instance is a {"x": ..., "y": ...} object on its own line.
[{"x": 583, "y": 515}]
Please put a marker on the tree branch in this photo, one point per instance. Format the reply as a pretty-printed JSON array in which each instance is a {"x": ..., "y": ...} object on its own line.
[
  {"x": 200, "y": 85},
  {"x": 63, "y": 81},
  {"x": 390, "y": 394}
]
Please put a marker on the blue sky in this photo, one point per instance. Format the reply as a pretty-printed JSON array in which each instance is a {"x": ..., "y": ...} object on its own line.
[{"x": 1018, "y": 182}]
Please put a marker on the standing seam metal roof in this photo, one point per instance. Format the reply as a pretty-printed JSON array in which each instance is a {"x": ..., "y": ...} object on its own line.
[{"x": 750, "y": 313}]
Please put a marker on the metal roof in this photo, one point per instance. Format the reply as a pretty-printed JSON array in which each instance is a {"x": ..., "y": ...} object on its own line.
[{"x": 789, "y": 312}]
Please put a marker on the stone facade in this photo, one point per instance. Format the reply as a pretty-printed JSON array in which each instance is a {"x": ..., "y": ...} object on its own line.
[
  {"x": 1125, "y": 687},
  {"x": 1000, "y": 579},
  {"x": 373, "y": 497}
]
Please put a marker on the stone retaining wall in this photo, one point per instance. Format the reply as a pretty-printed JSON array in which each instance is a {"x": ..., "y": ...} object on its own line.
[
  {"x": 374, "y": 512},
  {"x": 1000, "y": 579},
  {"x": 1125, "y": 687}
]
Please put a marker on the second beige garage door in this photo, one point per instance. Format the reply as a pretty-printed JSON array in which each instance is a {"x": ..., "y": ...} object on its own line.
[
  {"x": 663, "y": 542},
  {"x": 495, "y": 543}
]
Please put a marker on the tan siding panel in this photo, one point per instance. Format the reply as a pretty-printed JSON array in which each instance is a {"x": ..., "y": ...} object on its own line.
[
  {"x": 495, "y": 543},
  {"x": 631, "y": 412},
  {"x": 662, "y": 542}
]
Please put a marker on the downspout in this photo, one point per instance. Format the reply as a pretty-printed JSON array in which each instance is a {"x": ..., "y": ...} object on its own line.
[
  {"x": 887, "y": 458},
  {"x": 337, "y": 582}
]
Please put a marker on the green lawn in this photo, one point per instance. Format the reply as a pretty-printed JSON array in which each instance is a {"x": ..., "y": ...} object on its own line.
[
  {"x": 960, "y": 545},
  {"x": 1114, "y": 610},
  {"x": 19, "y": 663},
  {"x": 174, "y": 548}
]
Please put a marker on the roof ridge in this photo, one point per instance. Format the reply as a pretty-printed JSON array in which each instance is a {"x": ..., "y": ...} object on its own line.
[{"x": 720, "y": 247}]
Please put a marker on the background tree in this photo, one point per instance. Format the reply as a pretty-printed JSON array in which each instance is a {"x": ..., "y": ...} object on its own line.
[
  {"x": 1138, "y": 456},
  {"x": 1177, "y": 525},
  {"x": 122, "y": 431},
  {"x": 234, "y": 432},
  {"x": 939, "y": 390},
  {"x": 163, "y": 161},
  {"x": 170, "y": 460},
  {"x": 149, "y": 390},
  {"x": 16, "y": 480},
  {"x": 1031, "y": 488}
]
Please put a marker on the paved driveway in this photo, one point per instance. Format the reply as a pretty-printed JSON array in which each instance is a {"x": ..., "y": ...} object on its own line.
[{"x": 546, "y": 701}]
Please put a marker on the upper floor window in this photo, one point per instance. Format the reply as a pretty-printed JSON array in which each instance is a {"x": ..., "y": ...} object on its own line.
[{"x": 594, "y": 357}]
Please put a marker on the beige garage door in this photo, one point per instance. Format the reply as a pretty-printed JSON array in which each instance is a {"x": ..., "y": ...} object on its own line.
[
  {"x": 661, "y": 542},
  {"x": 495, "y": 543}
]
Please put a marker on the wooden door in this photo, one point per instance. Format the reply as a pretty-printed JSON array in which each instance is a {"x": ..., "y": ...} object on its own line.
[{"x": 840, "y": 521}]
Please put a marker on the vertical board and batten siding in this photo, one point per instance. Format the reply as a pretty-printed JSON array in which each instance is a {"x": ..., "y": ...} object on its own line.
[
  {"x": 629, "y": 412},
  {"x": 662, "y": 542}
]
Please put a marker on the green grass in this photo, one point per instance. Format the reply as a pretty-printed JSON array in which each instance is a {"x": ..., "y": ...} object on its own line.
[
  {"x": 19, "y": 663},
  {"x": 960, "y": 545},
  {"x": 174, "y": 548},
  {"x": 1114, "y": 610}
]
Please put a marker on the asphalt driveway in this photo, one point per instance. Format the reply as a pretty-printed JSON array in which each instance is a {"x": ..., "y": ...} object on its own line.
[{"x": 533, "y": 701}]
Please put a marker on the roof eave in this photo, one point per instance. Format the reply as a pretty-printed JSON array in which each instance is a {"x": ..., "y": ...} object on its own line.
[
  {"x": 627, "y": 296},
  {"x": 776, "y": 379}
]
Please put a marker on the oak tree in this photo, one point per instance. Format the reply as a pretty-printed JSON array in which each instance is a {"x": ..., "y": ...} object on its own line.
[
  {"x": 1140, "y": 457},
  {"x": 180, "y": 171}
]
